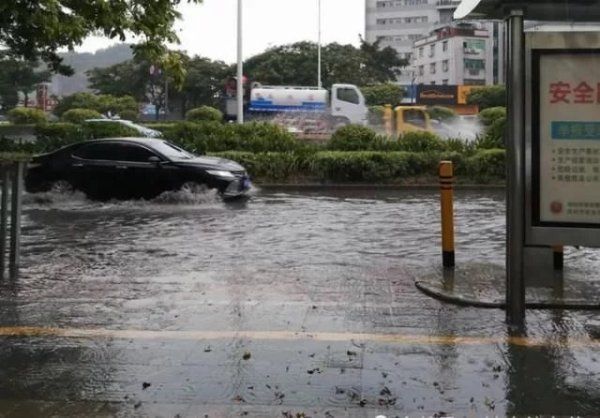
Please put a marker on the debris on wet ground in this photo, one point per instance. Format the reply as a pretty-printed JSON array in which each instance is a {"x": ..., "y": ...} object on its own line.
[
  {"x": 146, "y": 385},
  {"x": 207, "y": 349},
  {"x": 246, "y": 355}
]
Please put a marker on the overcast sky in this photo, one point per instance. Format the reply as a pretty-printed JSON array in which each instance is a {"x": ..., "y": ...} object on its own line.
[{"x": 209, "y": 29}]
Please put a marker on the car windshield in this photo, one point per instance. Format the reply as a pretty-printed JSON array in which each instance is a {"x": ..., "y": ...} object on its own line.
[{"x": 172, "y": 151}]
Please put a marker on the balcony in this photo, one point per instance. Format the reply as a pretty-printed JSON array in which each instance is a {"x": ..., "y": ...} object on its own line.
[{"x": 447, "y": 4}]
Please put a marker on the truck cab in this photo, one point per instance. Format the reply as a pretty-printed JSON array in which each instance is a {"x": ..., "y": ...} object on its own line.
[
  {"x": 348, "y": 105},
  {"x": 412, "y": 119}
]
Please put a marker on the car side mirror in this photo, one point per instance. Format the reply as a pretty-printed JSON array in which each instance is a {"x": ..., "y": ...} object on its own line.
[{"x": 154, "y": 160}]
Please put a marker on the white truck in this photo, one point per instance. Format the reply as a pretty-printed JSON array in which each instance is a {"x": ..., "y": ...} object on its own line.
[{"x": 305, "y": 108}]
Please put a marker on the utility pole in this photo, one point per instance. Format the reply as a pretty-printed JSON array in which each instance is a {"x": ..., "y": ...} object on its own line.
[
  {"x": 240, "y": 68},
  {"x": 319, "y": 81}
]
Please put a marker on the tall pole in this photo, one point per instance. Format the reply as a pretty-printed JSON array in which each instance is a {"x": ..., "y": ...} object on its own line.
[
  {"x": 319, "y": 81},
  {"x": 515, "y": 222},
  {"x": 240, "y": 68}
]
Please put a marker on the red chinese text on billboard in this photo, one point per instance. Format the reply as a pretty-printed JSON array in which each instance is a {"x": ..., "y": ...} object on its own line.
[{"x": 582, "y": 93}]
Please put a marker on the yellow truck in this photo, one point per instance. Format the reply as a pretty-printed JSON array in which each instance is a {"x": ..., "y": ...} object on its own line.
[{"x": 405, "y": 119}]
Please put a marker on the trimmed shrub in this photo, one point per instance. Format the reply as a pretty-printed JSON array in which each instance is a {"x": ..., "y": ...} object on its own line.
[
  {"x": 213, "y": 136},
  {"x": 94, "y": 130},
  {"x": 56, "y": 135},
  {"x": 460, "y": 146},
  {"x": 203, "y": 137},
  {"x": 26, "y": 115},
  {"x": 488, "y": 96},
  {"x": 488, "y": 116},
  {"x": 264, "y": 137},
  {"x": 79, "y": 115},
  {"x": 131, "y": 115},
  {"x": 353, "y": 138},
  {"x": 421, "y": 142},
  {"x": 102, "y": 103},
  {"x": 366, "y": 165},
  {"x": 441, "y": 113},
  {"x": 487, "y": 165},
  {"x": 204, "y": 113}
]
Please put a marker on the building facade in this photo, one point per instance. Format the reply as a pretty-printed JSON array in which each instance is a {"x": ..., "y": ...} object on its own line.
[
  {"x": 399, "y": 23},
  {"x": 458, "y": 54}
]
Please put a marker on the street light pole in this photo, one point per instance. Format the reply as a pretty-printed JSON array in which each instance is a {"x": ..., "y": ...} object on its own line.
[
  {"x": 240, "y": 68},
  {"x": 319, "y": 81}
]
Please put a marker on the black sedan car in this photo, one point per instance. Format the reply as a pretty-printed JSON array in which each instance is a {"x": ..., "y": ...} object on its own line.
[{"x": 130, "y": 168}]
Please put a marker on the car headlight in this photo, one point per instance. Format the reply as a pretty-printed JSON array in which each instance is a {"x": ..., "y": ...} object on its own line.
[{"x": 222, "y": 174}]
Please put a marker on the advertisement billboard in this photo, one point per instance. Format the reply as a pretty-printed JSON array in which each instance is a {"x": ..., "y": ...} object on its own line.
[
  {"x": 562, "y": 158},
  {"x": 567, "y": 137},
  {"x": 437, "y": 95}
]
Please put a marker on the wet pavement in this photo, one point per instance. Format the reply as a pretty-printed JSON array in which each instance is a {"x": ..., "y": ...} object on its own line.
[{"x": 289, "y": 305}]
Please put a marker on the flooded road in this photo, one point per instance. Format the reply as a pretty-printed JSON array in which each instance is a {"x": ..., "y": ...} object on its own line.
[{"x": 292, "y": 303}]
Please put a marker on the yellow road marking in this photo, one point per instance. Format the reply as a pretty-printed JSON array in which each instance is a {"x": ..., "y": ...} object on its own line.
[{"x": 293, "y": 336}]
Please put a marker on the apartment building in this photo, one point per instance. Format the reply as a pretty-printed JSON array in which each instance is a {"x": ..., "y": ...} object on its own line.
[
  {"x": 457, "y": 54},
  {"x": 399, "y": 23}
]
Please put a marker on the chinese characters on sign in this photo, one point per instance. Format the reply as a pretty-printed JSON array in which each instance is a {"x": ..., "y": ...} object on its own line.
[{"x": 569, "y": 138}]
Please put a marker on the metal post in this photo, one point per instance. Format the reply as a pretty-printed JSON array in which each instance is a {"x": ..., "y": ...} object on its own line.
[
  {"x": 515, "y": 222},
  {"x": 559, "y": 257},
  {"x": 240, "y": 68},
  {"x": 4, "y": 218},
  {"x": 319, "y": 81},
  {"x": 15, "y": 219},
  {"x": 446, "y": 172}
]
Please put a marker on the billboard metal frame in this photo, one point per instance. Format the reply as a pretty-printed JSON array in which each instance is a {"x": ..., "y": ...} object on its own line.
[{"x": 538, "y": 44}]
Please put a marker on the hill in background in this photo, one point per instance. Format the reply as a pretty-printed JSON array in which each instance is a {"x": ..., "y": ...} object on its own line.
[{"x": 84, "y": 61}]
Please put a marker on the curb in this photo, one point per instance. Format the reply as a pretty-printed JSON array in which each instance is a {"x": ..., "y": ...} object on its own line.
[
  {"x": 360, "y": 186},
  {"x": 460, "y": 300}
]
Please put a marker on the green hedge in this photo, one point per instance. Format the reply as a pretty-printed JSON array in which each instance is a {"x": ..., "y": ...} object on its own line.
[
  {"x": 26, "y": 115},
  {"x": 487, "y": 165},
  {"x": 79, "y": 115},
  {"x": 368, "y": 166},
  {"x": 271, "y": 154},
  {"x": 218, "y": 137},
  {"x": 204, "y": 113}
]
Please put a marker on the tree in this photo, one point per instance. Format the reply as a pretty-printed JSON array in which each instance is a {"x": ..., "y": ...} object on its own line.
[
  {"x": 489, "y": 96},
  {"x": 203, "y": 82},
  {"x": 19, "y": 76},
  {"x": 103, "y": 103},
  {"x": 37, "y": 29},
  {"x": 144, "y": 79},
  {"x": 296, "y": 64},
  {"x": 382, "y": 94}
]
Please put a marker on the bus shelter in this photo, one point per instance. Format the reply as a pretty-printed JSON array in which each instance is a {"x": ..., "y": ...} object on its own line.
[{"x": 553, "y": 131}]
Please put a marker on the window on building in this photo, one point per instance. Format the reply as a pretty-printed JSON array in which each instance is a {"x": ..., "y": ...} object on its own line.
[
  {"x": 445, "y": 46},
  {"x": 432, "y": 68},
  {"x": 431, "y": 50},
  {"x": 421, "y": 52},
  {"x": 445, "y": 66},
  {"x": 421, "y": 70},
  {"x": 471, "y": 64},
  {"x": 445, "y": 81}
]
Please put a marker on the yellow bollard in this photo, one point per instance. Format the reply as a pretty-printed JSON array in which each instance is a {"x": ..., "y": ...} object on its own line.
[
  {"x": 388, "y": 117},
  {"x": 559, "y": 257},
  {"x": 446, "y": 172}
]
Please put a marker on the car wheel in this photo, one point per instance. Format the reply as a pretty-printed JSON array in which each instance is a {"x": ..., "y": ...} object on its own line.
[
  {"x": 61, "y": 186},
  {"x": 193, "y": 187}
]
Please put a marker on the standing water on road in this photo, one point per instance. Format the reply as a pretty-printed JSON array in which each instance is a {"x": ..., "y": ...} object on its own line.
[{"x": 290, "y": 302}]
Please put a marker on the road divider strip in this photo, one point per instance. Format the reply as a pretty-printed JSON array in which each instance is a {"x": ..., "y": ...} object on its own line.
[{"x": 32, "y": 332}]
